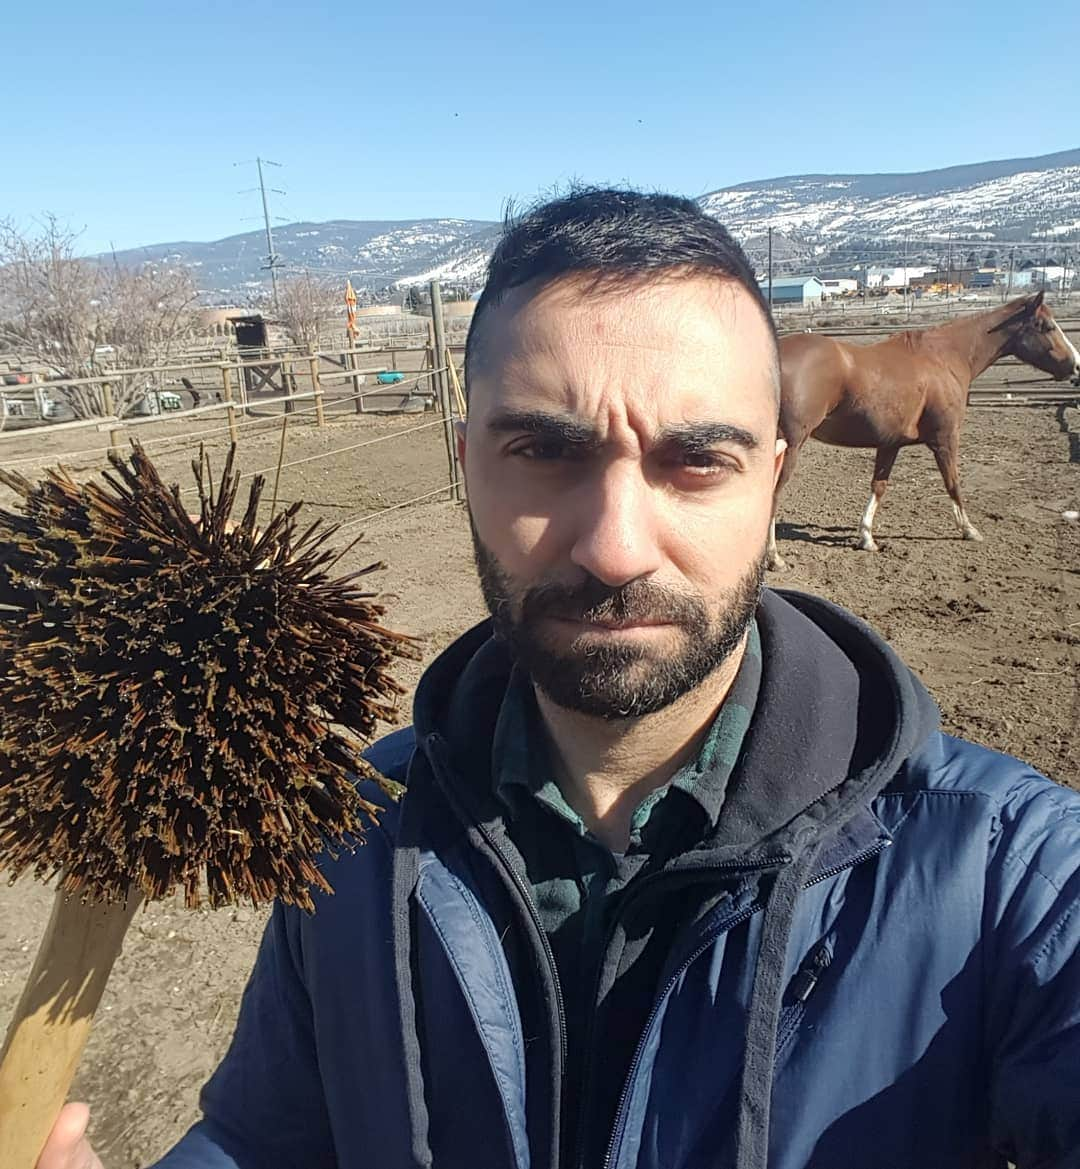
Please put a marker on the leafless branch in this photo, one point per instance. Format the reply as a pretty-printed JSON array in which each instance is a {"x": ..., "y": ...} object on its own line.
[{"x": 78, "y": 317}]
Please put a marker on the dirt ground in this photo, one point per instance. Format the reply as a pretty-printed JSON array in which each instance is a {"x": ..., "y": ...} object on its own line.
[{"x": 993, "y": 629}]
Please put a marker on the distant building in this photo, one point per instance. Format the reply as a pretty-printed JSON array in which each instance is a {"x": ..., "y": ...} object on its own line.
[
  {"x": 1052, "y": 276},
  {"x": 380, "y": 310},
  {"x": 794, "y": 290},
  {"x": 840, "y": 286},
  {"x": 986, "y": 278},
  {"x": 877, "y": 277}
]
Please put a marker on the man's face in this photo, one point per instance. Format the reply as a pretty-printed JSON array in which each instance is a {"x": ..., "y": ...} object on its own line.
[{"x": 621, "y": 454}]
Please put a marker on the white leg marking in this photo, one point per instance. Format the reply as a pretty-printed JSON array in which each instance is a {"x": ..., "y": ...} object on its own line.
[
  {"x": 866, "y": 526},
  {"x": 967, "y": 528},
  {"x": 776, "y": 561}
]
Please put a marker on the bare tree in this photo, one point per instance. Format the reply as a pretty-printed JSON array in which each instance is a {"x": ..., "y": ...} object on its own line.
[
  {"x": 304, "y": 303},
  {"x": 80, "y": 317}
]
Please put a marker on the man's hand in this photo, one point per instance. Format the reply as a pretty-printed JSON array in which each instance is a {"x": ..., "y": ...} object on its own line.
[{"x": 67, "y": 1146}]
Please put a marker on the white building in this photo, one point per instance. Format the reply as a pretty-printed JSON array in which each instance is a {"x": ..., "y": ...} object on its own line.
[
  {"x": 893, "y": 277},
  {"x": 1052, "y": 276}
]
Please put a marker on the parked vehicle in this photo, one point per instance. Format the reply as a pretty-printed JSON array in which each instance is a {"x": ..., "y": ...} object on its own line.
[{"x": 153, "y": 402}]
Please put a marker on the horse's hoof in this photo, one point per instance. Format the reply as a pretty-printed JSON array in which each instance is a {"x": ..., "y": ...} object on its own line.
[
  {"x": 777, "y": 564},
  {"x": 973, "y": 534},
  {"x": 867, "y": 544}
]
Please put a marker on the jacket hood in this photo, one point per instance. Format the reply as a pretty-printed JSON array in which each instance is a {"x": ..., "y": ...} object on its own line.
[{"x": 837, "y": 715}]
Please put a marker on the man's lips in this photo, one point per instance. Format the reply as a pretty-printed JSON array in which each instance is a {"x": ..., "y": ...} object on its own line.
[{"x": 610, "y": 624}]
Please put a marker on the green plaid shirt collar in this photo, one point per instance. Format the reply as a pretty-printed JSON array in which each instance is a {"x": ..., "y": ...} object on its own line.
[{"x": 521, "y": 755}]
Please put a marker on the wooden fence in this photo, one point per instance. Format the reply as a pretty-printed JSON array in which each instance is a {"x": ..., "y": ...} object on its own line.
[{"x": 318, "y": 382}]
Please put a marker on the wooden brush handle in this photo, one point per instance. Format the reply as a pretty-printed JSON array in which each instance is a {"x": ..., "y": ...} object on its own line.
[{"x": 52, "y": 1021}]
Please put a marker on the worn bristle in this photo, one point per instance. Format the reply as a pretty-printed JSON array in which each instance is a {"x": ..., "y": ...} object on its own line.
[{"x": 183, "y": 702}]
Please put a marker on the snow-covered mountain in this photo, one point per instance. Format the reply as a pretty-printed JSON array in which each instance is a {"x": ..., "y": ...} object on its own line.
[
  {"x": 373, "y": 253},
  {"x": 1026, "y": 198},
  {"x": 819, "y": 218},
  {"x": 463, "y": 262}
]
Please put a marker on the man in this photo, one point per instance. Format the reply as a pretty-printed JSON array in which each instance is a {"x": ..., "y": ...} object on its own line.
[{"x": 685, "y": 875}]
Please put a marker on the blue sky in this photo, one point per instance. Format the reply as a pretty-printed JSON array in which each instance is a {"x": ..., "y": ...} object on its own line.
[{"x": 125, "y": 119}]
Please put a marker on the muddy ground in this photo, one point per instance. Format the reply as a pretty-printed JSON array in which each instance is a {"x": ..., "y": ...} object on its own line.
[{"x": 993, "y": 629}]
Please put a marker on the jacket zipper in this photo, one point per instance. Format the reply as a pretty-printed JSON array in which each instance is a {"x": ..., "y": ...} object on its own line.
[
  {"x": 646, "y": 883},
  {"x": 809, "y": 973},
  {"x": 706, "y": 942},
  {"x": 534, "y": 914},
  {"x": 802, "y": 987},
  {"x": 669, "y": 986},
  {"x": 850, "y": 863}
]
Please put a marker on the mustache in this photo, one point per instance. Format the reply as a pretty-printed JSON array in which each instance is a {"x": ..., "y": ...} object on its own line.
[{"x": 594, "y": 601}]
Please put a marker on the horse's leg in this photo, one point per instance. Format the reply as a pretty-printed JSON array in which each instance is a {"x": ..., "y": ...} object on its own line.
[
  {"x": 883, "y": 465},
  {"x": 946, "y": 454},
  {"x": 775, "y": 561}
]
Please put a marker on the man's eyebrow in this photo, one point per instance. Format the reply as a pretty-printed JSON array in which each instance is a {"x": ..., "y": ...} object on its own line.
[
  {"x": 700, "y": 436},
  {"x": 548, "y": 425},
  {"x": 692, "y": 436}
]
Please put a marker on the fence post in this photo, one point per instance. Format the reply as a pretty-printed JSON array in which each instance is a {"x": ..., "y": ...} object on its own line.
[
  {"x": 459, "y": 396},
  {"x": 316, "y": 387},
  {"x": 438, "y": 363},
  {"x": 226, "y": 390},
  {"x": 288, "y": 380},
  {"x": 116, "y": 437},
  {"x": 39, "y": 396},
  {"x": 357, "y": 382}
]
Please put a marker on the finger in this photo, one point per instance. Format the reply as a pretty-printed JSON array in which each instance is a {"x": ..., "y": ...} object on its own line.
[{"x": 67, "y": 1147}]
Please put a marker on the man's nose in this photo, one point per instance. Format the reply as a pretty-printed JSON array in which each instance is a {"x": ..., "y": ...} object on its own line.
[{"x": 617, "y": 526}]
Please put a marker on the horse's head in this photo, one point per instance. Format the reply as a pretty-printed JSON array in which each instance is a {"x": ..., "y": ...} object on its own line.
[{"x": 1037, "y": 339}]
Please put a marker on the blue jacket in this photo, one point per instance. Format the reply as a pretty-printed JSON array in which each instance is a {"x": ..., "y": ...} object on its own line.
[{"x": 886, "y": 973}]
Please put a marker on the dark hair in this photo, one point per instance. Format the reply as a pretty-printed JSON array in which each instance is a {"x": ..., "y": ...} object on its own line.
[{"x": 615, "y": 234}]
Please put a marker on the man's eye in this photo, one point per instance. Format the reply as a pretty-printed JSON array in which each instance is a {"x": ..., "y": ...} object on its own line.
[
  {"x": 705, "y": 462},
  {"x": 542, "y": 449}
]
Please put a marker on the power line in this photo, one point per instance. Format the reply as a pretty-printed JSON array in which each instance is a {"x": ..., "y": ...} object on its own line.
[{"x": 273, "y": 260}]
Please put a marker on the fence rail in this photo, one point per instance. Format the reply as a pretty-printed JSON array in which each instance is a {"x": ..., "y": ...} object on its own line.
[
  {"x": 232, "y": 392},
  {"x": 244, "y": 422},
  {"x": 325, "y": 372}
]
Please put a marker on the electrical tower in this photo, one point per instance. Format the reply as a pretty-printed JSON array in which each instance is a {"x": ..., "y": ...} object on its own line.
[{"x": 273, "y": 260}]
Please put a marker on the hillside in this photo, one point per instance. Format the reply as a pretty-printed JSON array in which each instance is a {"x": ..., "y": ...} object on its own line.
[{"x": 827, "y": 218}]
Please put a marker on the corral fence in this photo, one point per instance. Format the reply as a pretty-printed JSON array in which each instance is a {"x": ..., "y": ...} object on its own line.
[
  {"x": 317, "y": 405},
  {"x": 366, "y": 396}
]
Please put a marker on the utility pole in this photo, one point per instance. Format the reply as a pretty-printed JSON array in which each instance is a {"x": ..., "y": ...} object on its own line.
[
  {"x": 273, "y": 260},
  {"x": 770, "y": 269},
  {"x": 1008, "y": 285},
  {"x": 948, "y": 274},
  {"x": 905, "y": 276},
  {"x": 271, "y": 255},
  {"x": 438, "y": 364}
]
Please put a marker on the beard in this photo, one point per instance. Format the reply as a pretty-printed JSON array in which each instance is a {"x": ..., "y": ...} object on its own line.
[{"x": 596, "y": 675}]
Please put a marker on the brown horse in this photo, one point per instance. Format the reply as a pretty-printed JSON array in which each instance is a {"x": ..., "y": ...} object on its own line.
[{"x": 911, "y": 388}]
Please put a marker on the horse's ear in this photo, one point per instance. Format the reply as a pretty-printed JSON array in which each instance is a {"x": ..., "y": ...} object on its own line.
[{"x": 1036, "y": 301}]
